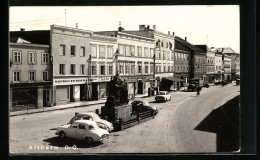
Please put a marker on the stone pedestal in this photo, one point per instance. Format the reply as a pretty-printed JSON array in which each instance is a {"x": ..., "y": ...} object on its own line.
[{"x": 114, "y": 113}]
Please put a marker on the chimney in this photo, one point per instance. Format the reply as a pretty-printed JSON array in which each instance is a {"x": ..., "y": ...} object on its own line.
[
  {"x": 22, "y": 29},
  {"x": 172, "y": 33},
  {"x": 141, "y": 27},
  {"x": 185, "y": 38},
  {"x": 154, "y": 27},
  {"x": 148, "y": 27},
  {"x": 169, "y": 33}
]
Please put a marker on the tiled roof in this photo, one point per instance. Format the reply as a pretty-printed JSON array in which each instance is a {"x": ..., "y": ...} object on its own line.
[
  {"x": 225, "y": 50},
  {"x": 179, "y": 46},
  {"x": 35, "y": 37},
  {"x": 203, "y": 47},
  {"x": 188, "y": 45}
]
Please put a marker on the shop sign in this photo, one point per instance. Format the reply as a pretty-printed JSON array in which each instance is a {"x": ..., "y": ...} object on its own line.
[
  {"x": 100, "y": 79},
  {"x": 69, "y": 81}
]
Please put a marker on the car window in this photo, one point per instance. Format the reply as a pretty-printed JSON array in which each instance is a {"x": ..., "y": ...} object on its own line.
[
  {"x": 82, "y": 126},
  {"x": 74, "y": 126},
  {"x": 87, "y": 118}
]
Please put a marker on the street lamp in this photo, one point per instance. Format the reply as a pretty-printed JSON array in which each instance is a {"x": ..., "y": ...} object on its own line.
[{"x": 116, "y": 58}]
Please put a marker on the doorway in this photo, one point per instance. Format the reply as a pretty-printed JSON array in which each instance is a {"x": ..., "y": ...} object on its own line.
[
  {"x": 140, "y": 87},
  {"x": 46, "y": 97},
  {"x": 94, "y": 91}
]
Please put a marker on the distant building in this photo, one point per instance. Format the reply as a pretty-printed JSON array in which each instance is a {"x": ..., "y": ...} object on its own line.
[
  {"x": 218, "y": 67},
  {"x": 210, "y": 63},
  {"x": 235, "y": 60},
  {"x": 30, "y": 74}
]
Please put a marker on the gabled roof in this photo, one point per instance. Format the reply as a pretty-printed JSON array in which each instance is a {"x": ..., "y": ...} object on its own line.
[
  {"x": 179, "y": 46},
  {"x": 225, "y": 50},
  {"x": 203, "y": 47},
  {"x": 18, "y": 40},
  {"x": 188, "y": 45},
  {"x": 35, "y": 37}
]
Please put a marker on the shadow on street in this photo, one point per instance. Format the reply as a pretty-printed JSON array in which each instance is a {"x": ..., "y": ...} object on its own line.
[
  {"x": 57, "y": 142},
  {"x": 224, "y": 121}
]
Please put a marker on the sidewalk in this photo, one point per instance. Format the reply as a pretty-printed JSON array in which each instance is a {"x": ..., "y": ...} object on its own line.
[{"x": 60, "y": 107}]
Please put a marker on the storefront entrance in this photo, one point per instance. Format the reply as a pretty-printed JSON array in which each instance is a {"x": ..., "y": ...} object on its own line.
[
  {"x": 140, "y": 87},
  {"x": 46, "y": 98},
  {"x": 94, "y": 91}
]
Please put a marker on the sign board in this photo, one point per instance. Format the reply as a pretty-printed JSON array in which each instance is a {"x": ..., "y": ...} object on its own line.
[
  {"x": 100, "y": 79},
  {"x": 69, "y": 81}
]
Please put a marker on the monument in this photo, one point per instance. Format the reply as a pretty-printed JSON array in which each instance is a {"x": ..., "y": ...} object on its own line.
[{"x": 117, "y": 105}]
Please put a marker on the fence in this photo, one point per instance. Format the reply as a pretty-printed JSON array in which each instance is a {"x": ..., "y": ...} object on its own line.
[{"x": 135, "y": 119}]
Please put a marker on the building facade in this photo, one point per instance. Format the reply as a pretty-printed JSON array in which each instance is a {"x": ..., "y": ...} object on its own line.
[
  {"x": 30, "y": 75},
  {"x": 227, "y": 68},
  {"x": 134, "y": 60},
  {"x": 70, "y": 50},
  {"x": 102, "y": 65},
  {"x": 218, "y": 67}
]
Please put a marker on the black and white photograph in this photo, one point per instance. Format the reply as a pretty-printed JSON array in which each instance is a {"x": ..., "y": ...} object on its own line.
[{"x": 124, "y": 79}]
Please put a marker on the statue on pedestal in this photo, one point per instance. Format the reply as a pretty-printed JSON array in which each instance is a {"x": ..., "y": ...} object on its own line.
[{"x": 118, "y": 93}]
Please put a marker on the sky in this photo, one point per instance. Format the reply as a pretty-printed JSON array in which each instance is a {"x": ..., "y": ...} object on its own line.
[{"x": 216, "y": 26}]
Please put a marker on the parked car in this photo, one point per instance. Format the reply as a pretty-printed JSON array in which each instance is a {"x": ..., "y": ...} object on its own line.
[
  {"x": 163, "y": 96},
  {"x": 94, "y": 117},
  {"x": 205, "y": 84},
  {"x": 220, "y": 82},
  {"x": 83, "y": 130},
  {"x": 143, "y": 106},
  {"x": 192, "y": 87}
]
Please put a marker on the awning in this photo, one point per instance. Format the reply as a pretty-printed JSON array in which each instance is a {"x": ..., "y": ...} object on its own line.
[{"x": 174, "y": 79}]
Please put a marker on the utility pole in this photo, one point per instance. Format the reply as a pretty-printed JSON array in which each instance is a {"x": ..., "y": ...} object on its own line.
[{"x": 65, "y": 18}]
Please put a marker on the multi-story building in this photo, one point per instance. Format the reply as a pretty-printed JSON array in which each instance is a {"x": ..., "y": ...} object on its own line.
[
  {"x": 235, "y": 60},
  {"x": 227, "y": 67},
  {"x": 103, "y": 65},
  {"x": 163, "y": 45},
  {"x": 70, "y": 50},
  {"x": 218, "y": 67},
  {"x": 30, "y": 74},
  {"x": 181, "y": 60},
  {"x": 210, "y": 63},
  {"x": 134, "y": 60}
]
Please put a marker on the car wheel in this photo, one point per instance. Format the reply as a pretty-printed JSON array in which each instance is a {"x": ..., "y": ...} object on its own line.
[
  {"x": 62, "y": 135},
  {"x": 89, "y": 140}
]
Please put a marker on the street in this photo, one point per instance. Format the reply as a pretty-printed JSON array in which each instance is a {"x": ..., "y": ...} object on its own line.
[{"x": 171, "y": 131}]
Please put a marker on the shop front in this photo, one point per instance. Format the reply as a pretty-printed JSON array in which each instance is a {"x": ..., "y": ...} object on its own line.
[
  {"x": 99, "y": 87},
  {"x": 69, "y": 89}
]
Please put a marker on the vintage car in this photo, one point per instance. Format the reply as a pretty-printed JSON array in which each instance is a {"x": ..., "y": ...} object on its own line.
[
  {"x": 205, "y": 84},
  {"x": 192, "y": 87},
  {"x": 163, "y": 96},
  {"x": 85, "y": 130},
  {"x": 220, "y": 82},
  {"x": 94, "y": 117},
  {"x": 142, "y": 106}
]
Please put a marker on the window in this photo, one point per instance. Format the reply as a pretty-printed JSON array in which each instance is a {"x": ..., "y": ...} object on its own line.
[
  {"x": 161, "y": 44},
  {"x": 168, "y": 55},
  {"x": 151, "y": 67},
  {"x": 146, "y": 68},
  {"x": 121, "y": 49},
  {"x": 160, "y": 68},
  {"x": 72, "y": 69},
  {"x": 32, "y": 57},
  {"x": 82, "y": 51},
  {"x": 102, "y": 70},
  {"x": 102, "y": 52},
  {"x": 140, "y": 68},
  {"x": 16, "y": 76},
  {"x": 160, "y": 56},
  {"x": 93, "y": 70},
  {"x": 62, "y": 68},
  {"x": 151, "y": 52},
  {"x": 94, "y": 51},
  {"x": 146, "y": 52},
  {"x": 169, "y": 68},
  {"x": 17, "y": 57},
  {"x": 31, "y": 76},
  {"x": 133, "y": 68},
  {"x": 109, "y": 52},
  {"x": 110, "y": 70},
  {"x": 82, "y": 126},
  {"x": 121, "y": 68},
  {"x": 132, "y": 51},
  {"x": 172, "y": 56},
  {"x": 82, "y": 69},
  {"x": 164, "y": 67},
  {"x": 164, "y": 55},
  {"x": 127, "y": 68},
  {"x": 45, "y": 58},
  {"x": 45, "y": 76},
  {"x": 139, "y": 50},
  {"x": 127, "y": 50},
  {"x": 72, "y": 50},
  {"x": 62, "y": 50},
  {"x": 156, "y": 68}
]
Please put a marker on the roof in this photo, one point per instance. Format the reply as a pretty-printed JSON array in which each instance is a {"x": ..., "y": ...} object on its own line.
[
  {"x": 174, "y": 79},
  {"x": 18, "y": 40},
  {"x": 203, "y": 47},
  {"x": 179, "y": 46},
  {"x": 85, "y": 122},
  {"x": 225, "y": 50},
  {"x": 188, "y": 45},
  {"x": 35, "y": 37}
]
